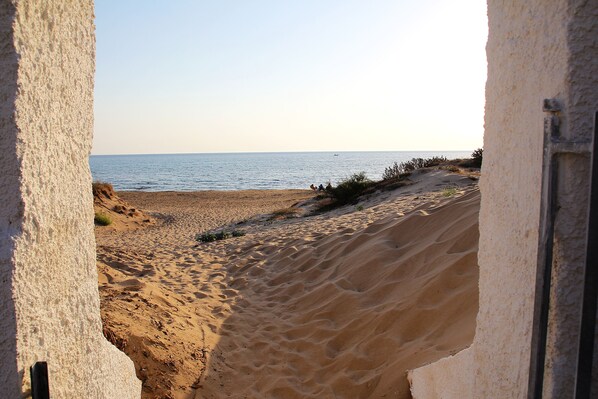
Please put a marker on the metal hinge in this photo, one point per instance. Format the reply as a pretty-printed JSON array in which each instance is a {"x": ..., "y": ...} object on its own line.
[{"x": 552, "y": 131}]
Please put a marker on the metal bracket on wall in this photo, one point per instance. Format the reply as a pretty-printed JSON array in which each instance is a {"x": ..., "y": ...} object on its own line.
[
  {"x": 554, "y": 143},
  {"x": 554, "y": 146}
]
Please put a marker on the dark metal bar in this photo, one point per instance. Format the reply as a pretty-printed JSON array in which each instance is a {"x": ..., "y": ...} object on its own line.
[
  {"x": 546, "y": 268},
  {"x": 545, "y": 252},
  {"x": 40, "y": 388},
  {"x": 583, "y": 382}
]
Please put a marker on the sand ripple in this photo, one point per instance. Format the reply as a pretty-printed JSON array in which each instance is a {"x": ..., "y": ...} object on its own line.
[{"x": 334, "y": 305}]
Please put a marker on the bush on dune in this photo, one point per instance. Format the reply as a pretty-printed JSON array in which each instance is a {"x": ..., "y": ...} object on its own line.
[
  {"x": 475, "y": 161},
  {"x": 394, "y": 176},
  {"x": 220, "y": 235},
  {"x": 394, "y": 172},
  {"x": 350, "y": 188},
  {"x": 102, "y": 220},
  {"x": 99, "y": 189},
  {"x": 401, "y": 170},
  {"x": 477, "y": 156}
]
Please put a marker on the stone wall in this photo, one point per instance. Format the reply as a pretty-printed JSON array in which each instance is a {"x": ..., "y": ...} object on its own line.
[
  {"x": 536, "y": 50},
  {"x": 49, "y": 300}
]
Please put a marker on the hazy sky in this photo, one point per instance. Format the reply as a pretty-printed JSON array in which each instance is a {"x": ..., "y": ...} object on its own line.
[{"x": 289, "y": 75}]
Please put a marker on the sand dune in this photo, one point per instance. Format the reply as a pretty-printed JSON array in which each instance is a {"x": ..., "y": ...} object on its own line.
[
  {"x": 334, "y": 305},
  {"x": 121, "y": 214}
]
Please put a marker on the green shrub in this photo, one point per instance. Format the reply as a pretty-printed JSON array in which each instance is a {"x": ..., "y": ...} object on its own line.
[
  {"x": 223, "y": 235},
  {"x": 434, "y": 161},
  {"x": 205, "y": 237},
  {"x": 449, "y": 192},
  {"x": 476, "y": 157},
  {"x": 102, "y": 220},
  {"x": 393, "y": 172},
  {"x": 351, "y": 188},
  {"x": 217, "y": 236},
  {"x": 399, "y": 170}
]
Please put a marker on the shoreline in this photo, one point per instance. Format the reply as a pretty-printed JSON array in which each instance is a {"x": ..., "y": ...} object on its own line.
[{"x": 215, "y": 191}]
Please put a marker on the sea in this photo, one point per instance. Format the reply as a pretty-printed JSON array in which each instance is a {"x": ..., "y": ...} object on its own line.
[{"x": 244, "y": 171}]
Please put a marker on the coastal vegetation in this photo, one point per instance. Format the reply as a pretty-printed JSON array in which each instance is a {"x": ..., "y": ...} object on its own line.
[
  {"x": 477, "y": 156},
  {"x": 349, "y": 190},
  {"x": 100, "y": 188},
  {"x": 399, "y": 170},
  {"x": 110, "y": 209},
  {"x": 101, "y": 219},
  {"x": 449, "y": 192},
  {"x": 219, "y": 235}
]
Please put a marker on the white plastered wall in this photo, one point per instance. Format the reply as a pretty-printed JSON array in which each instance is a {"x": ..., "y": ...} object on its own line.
[
  {"x": 49, "y": 300},
  {"x": 437, "y": 380},
  {"x": 536, "y": 50}
]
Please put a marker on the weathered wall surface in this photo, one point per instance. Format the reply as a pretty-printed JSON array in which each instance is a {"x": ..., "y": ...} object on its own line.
[
  {"x": 448, "y": 378},
  {"x": 48, "y": 292},
  {"x": 527, "y": 62},
  {"x": 535, "y": 50},
  {"x": 581, "y": 103}
]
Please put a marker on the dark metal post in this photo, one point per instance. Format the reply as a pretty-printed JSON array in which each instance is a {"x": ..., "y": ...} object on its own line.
[
  {"x": 545, "y": 249},
  {"x": 40, "y": 388}
]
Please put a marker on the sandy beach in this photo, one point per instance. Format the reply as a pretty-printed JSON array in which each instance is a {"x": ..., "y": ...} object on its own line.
[{"x": 336, "y": 304}]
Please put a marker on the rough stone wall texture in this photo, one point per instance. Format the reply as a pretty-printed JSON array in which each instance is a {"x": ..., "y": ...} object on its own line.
[
  {"x": 536, "y": 50},
  {"x": 49, "y": 294},
  {"x": 581, "y": 103},
  {"x": 527, "y": 62},
  {"x": 448, "y": 378}
]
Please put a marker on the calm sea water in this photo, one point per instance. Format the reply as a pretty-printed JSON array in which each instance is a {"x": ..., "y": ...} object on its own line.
[{"x": 239, "y": 171}]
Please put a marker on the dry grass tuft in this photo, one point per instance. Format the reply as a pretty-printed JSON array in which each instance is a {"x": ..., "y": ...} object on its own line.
[{"x": 101, "y": 189}]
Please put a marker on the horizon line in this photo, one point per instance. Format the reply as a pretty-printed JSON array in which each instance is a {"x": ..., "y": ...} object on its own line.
[{"x": 273, "y": 152}]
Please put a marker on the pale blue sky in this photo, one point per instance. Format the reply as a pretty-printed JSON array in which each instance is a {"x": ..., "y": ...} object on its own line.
[{"x": 279, "y": 75}]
